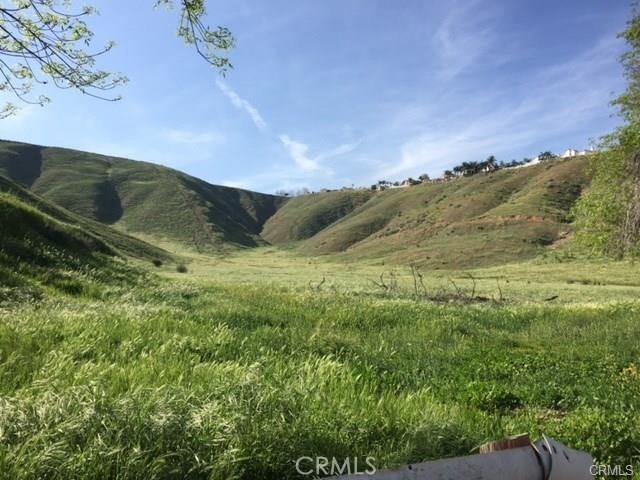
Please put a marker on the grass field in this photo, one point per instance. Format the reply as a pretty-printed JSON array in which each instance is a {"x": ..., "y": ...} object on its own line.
[
  {"x": 240, "y": 366},
  {"x": 572, "y": 281}
]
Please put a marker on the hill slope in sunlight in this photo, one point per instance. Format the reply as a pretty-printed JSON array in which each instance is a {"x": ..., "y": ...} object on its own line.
[
  {"x": 308, "y": 215},
  {"x": 508, "y": 215}
]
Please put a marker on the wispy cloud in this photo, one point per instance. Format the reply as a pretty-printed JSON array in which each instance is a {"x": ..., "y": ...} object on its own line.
[
  {"x": 338, "y": 151},
  {"x": 296, "y": 150},
  {"x": 277, "y": 177},
  {"x": 299, "y": 153},
  {"x": 187, "y": 137},
  {"x": 308, "y": 170},
  {"x": 552, "y": 103},
  {"x": 465, "y": 38},
  {"x": 242, "y": 104}
]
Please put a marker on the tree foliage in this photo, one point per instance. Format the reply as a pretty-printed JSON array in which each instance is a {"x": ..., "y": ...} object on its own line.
[
  {"x": 49, "y": 41},
  {"x": 546, "y": 156},
  {"x": 468, "y": 169},
  {"x": 607, "y": 217}
]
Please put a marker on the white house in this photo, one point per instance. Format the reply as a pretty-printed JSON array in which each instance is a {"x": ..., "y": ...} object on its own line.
[{"x": 572, "y": 152}]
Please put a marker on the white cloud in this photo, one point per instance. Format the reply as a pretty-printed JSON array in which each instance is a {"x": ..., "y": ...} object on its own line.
[
  {"x": 467, "y": 37},
  {"x": 237, "y": 184},
  {"x": 298, "y": 152},
  {"x": 305, "y": 172},
  {"x": 557, "y": 101},
  {"x": 276, "y": 177},
  {"x": 281, "y": 176},
  {"x": 192, "y": 138},
  {"x": 242, "y": 104},
  {"x": 338, "y": 151}
]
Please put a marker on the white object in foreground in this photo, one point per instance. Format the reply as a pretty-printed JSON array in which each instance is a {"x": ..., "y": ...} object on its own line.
[{"x": 546, "y": 459}]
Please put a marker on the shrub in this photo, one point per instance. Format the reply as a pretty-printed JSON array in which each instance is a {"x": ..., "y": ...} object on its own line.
[
  {"x": 157, "y": 262},
  {"x": 182, "y": 268}
]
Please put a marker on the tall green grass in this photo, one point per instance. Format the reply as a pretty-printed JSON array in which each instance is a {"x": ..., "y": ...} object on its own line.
[{"x": 181, "y": 381}]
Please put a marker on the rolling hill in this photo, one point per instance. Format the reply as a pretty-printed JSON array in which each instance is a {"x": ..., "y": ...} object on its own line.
[
  {"x": 503, "y": 216},
  {"x": 308, "y": 215},
  {"x": 139, "y": 197},
  {"x": 507, "y": 215}
]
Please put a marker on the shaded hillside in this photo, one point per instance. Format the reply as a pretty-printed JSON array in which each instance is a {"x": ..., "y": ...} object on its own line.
[
  {"x": 309, "y": 214},
  {"x": 39, "y": 252},
  {"x": 113, "y": 240},
  {"x": 503, "y": 216},
  {"x": 140, "y": 197}
]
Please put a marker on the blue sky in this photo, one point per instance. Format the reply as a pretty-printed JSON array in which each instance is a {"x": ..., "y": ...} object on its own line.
[{"x": 327, "y": 93}]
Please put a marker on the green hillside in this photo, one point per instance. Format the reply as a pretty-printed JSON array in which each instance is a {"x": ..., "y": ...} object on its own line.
[
  {"x": 309, "y": 214},
  {"x": 39, "y": 252},
  {"x": 116, "y": 242},
  {"x": 486, "y": 219},
  {"x": 139, "y": 197},
  {"x": 508, "y": 215}
]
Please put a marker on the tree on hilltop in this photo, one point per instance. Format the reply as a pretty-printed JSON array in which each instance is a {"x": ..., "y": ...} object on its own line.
[{"x": 546, "y": 156}]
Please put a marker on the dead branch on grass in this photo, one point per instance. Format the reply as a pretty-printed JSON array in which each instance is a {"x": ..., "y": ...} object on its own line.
[{"x": 318, "y": 286}]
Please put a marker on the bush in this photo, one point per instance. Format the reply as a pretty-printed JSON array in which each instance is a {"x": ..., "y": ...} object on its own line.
[
  {"x": 157, "y": 262},
  {"x": 182, "y": 268}
]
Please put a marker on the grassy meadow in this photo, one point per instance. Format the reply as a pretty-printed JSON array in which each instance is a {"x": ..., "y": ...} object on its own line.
[
  {"x": 247, "y": 362},
  {"x": 556, "y": 274}
]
